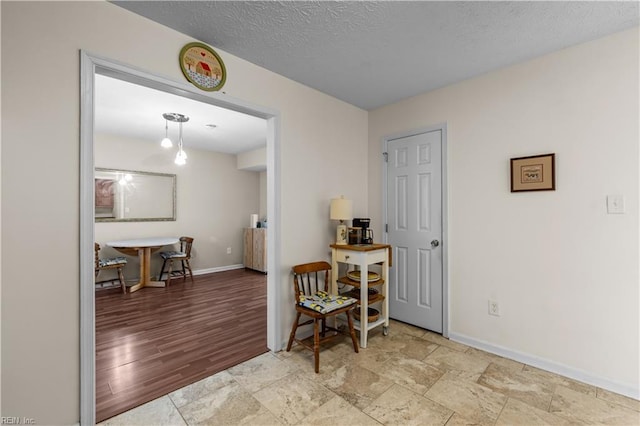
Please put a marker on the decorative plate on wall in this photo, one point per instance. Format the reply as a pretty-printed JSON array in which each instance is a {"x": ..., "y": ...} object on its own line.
[{"x": 202, "y": 66}]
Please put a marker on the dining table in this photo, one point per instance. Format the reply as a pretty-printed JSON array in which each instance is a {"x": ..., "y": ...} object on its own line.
[{"x": 143, "y": 247}]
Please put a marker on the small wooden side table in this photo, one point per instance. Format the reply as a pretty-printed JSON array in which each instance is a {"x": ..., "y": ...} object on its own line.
[{"x": 363, "y": 255}]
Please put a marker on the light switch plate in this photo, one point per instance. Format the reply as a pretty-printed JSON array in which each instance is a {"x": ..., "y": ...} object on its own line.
[{"x": 615, "y": 204}]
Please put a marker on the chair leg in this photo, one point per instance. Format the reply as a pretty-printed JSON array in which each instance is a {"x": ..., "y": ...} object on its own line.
[
  {"x": 189, "y": 268},
  {"x": 184, "y": 271},
  {"x": 169, "y": 272},
  {"x": 352, "y": 331},
  {"x": 293, "y": 331},
  {"x": 162, "y": 270},
  {"x": 122, "y": 283},
  {"x": 316, "y": 346}
]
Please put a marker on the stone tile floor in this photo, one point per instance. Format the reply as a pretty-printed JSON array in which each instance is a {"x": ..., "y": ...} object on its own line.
[{"x": 410, "y": 377}]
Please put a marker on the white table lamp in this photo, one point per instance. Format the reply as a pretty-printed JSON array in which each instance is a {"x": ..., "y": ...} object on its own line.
[{"x": 341, "y": 210}]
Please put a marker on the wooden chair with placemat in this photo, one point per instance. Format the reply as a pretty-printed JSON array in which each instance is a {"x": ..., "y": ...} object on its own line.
[
  {"x": 183, "y": 255},
  {"x": 118, "y": 263},
  {"x": 311, "y": 290}
]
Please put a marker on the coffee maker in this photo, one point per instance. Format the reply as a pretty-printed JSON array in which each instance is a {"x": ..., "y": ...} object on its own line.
[{"x": 360, "y": 233}]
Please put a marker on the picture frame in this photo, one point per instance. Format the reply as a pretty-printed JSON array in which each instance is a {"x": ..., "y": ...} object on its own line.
[
  {"x": 104, "y": 197},
  {"x": 533, "y": 173},
  {"x": 202, "y": 66}
]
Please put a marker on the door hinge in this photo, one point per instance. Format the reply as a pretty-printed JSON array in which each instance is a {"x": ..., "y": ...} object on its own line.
[
  {"x": 386, "y": 157},
  {"x": 386, "y": 228}
]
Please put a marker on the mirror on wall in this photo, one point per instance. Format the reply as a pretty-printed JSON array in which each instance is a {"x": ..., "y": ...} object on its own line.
[{"x": 134, "y": 196}]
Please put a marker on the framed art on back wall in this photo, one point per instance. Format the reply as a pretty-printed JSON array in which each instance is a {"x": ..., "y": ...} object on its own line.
[{"x": 534, "y": 173}]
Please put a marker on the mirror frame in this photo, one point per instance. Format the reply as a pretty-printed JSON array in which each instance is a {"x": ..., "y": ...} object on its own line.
[{"x": 144, "y": 219}]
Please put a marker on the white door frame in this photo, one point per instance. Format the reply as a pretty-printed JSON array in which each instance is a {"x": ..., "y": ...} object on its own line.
[
  {"x": 90, "y": 65},
  {"x": 445, "y": 209}
]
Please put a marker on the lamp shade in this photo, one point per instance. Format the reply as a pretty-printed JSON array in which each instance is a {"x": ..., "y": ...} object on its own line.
[{"x": 341, "y": 209}]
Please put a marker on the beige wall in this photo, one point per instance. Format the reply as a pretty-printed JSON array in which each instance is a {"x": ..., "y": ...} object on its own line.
[
  {"x": 256, "y": 160},
  {"x": 569, "y": 295},
  {"x": 263, "y": 195},
  {"x": 321, "y": 142},
  {"x": 565, "y": 273},
  {"x": 214, "y": 201}
]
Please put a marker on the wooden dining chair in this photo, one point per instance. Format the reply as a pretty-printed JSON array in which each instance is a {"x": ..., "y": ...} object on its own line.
[
  {"x": 308, "y": 280},
  {"x": 183, "y": 256},
  {"x": 117, "y": 263}
]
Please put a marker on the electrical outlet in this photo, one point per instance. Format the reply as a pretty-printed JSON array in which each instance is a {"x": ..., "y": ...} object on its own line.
[
  {"x": 494, "y": 308},
  {"x": 228, "y": 250}
]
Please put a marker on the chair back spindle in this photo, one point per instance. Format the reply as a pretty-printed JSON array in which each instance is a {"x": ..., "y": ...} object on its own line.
[
  {"x": 310, "y": 278},
  {"x": 96, "y": 249},
  {"x": 185, "y": 245}
]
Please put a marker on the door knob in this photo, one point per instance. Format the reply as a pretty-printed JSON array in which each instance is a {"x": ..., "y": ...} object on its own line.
[{"x": 435, "y": 243}]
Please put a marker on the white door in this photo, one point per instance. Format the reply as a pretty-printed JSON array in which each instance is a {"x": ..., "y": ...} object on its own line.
[{"x": 414, "y": 215}]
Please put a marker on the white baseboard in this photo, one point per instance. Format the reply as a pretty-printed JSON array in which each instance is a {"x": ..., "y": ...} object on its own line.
[
  {"x": 548, "y": 365},
  {"x": 217, "y": 269}
]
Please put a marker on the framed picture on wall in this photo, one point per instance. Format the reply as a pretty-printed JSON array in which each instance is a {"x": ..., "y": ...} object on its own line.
[
  {"x": 535, "y": 173},
  {"x": 104, "y": 192}
]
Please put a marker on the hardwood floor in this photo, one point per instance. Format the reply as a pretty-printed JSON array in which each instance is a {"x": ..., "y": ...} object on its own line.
[{"x": 157, "y": 340}]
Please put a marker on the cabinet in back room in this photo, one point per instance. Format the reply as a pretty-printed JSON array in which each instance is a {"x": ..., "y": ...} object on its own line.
[{"x": 255, "y": 249}]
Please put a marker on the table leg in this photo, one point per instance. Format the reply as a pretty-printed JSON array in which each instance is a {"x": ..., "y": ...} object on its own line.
[
  {"x": 334, "y": 272},
  {"x": 333, "y": 285},
  {"x": 385, "y": 278},
  {"x": 144, "y": 255},
  {"x": 147, "y": 270},
  {"x": 364, "y": 303}
]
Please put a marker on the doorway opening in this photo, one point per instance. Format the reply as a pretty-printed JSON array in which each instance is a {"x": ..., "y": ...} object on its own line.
[{"x": 90, "y": 67}]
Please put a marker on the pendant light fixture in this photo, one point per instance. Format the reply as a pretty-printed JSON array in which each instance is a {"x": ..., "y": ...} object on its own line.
[
  {"x": 181, "y": 156},
  {"x": 166, "y": 142}
]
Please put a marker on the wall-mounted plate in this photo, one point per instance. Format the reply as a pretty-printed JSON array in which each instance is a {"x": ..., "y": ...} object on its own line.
[{"x": 202, "y": 66}]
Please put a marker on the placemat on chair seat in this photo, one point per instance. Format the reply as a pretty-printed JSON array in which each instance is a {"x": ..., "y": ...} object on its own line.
[
  {"x": 112, "y": 261},
  {"x": 172, "y": 254},
  {"x": 324, "y": 302}
]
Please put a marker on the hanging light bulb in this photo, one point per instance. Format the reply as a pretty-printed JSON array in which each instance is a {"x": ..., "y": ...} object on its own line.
[
  {"x": 125, "y": 179},
  {"x": 181, "y": 156},
  {"x": 166, "y": 142}
]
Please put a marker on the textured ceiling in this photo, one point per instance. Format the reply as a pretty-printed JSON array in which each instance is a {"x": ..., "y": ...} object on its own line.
[{"x": 370, "y": 54}]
